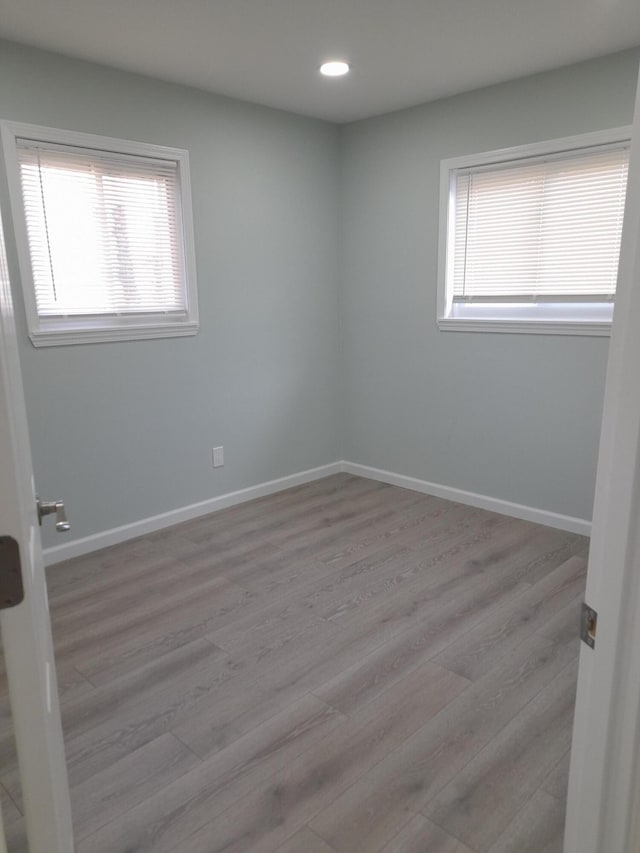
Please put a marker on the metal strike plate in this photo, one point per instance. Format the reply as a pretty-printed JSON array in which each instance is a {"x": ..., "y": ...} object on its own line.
[
  {"x": 588, "y": 625},
  {"x": 11, "y": 589}
]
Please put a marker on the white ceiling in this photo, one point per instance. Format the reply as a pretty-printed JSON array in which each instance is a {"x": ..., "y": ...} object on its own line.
[{"x": 403, "y": 52}]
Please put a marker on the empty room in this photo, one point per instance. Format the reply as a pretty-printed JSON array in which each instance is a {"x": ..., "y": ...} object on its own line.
[{"x": 318, "y": 427}]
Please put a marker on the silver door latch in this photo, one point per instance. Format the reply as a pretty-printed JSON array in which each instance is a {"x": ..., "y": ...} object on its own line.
[{"x": 48, "y": 508}]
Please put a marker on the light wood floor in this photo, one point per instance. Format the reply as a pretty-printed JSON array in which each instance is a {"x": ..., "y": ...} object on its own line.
[{"x": 345, "y": 667}]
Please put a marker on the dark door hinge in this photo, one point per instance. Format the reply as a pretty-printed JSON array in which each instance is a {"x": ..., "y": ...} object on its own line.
[
  {"x": 11, "y": 588},
  {"x": 588, "y": 625}
]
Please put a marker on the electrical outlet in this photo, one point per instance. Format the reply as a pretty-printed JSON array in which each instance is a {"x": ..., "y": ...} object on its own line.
[{"x": 218, "y": 457}]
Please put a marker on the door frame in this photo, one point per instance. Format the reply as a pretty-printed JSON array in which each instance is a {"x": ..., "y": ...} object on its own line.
[
  {"x": 604, "y": 779},
  {"x": 26, "y": 628}
]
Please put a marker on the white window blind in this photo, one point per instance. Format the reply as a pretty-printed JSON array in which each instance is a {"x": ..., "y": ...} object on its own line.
[
  {"x": 543, "y": 229},
  {"x": 104, "y": 232}
]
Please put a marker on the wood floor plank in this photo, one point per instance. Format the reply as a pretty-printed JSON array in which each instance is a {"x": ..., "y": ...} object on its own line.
[
  {"x": 274, "y": 571},
  {"x": 71, "y": 685},
  {"x": 228, "y": 549},
  {"x": 539, "y": 828},
  {"x": 307, "y": 543},
  {"x": 133, "y": 779},
  {"x": 125, "y": 715},
  {"x": 394, "y": 569},
  {"x": 105, "y": 566},
  {"x": 141, "y": 634},
  {"x": 450, "y": 528},
  {"x": 557, "y": 781},
  {"x": 109, "y": 593},
  {"x": 276, "y": 641},
  {"x": 290, "y": 791},
  {"x": 258, "y": 515},
  {"x": 414, "y": 773},
  {"x": 14, "y": 825},
  {"x": 271, "y": 813},
  {"x": 371, "y": 676},
  {"x": 456, "y": 607},
  {"x": 486, "y": 795},
  {"x": 565, "y": 625},
  {"x": 477, "y": 651},
  {"x": 296, "y": 509},
  {"x": 346, "y": 589},
  {"x": 463, "y": 595},
  {"x": 305, "y": 841},
  {"x": 409, "y": 524},
  {"x": 115, "y": 720},
  {"x": 422, "y": 836},
  {"x": 162, "y": 822},
  {"x": 224, "y": 717},
  {"x": 440, "y": 603},
  {"x": 279, "y": 675},
  {"x": 526, "y": 551}
]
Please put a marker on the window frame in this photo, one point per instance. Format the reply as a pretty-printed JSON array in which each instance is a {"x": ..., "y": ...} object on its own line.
[
  {"x": 61, "y": 331},
  {"x": 544, "y": 317}
]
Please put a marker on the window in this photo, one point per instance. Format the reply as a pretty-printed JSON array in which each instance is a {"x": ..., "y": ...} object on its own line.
[
  {"x": 104, "y": 234},
  {"x": 530, "y": 236}
]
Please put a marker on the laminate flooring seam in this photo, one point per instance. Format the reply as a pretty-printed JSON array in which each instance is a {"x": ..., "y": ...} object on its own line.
[
  {"x": 432, "y": 657},
  {"x": 463, "y": 844},
  {"x": 441, "y": 657},
  {"x": 6, "y": 793},
  {"x": 311, "y": 653},
  {"x": 551, "y": 705},
  {"x": 459, "y": 772},
  {"x": 371, "y": 770},
  {"x": 247, "y": 790},
  {"x": 423, "y": 836},
  {"x": 83, "y": 677},
  {"x": 263, "y": 721},
  {"x": 473, "y": 757},
  {"x": 400, "y": 783},
  {"x": 410, "y": 817},
  {"x": 545, "y": 831},
  {"x": 186, "y": 746},
  {"x": 305, "y": 841}
]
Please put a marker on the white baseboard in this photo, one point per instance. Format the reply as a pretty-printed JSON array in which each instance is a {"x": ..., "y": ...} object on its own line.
[
  {"x": 78, "y": 547},
  {"x": 528, "y": 513},
  {"x": 87, "y": 544}
]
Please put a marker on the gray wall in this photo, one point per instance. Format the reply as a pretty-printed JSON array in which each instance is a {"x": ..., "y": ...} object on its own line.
[
  {"x": 125, "y": 430},
  {"x": 295, "y": 365},
  {"x": 515, "y": 417}
]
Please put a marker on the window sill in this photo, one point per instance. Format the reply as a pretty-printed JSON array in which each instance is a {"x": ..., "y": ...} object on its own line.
[
  {"x": 537, "y": 318},
  {"x": 57, "y": 336},
  {"x": 526, "y": 327}
]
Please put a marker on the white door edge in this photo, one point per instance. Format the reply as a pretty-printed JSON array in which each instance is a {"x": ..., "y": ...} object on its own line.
[
  {"x": 26, "y": 628},
  {"x": 605, "y": 751}
]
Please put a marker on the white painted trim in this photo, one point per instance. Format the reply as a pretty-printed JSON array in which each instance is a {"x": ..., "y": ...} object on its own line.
[
  {"x": 528, "y": 513},
  {"x": 87, "y": 544},
  {"x": 96, "y": 329},
  {"x": 446, "y": 240},
  {"x": 562, "y": 145},
  {"x": 116, "y": 535},
  {"x": 603, "y": 790},
  {"x": 71, "y": 336},
  {"x": 27, "y": 646},
  {"x": 525, "y": 327}
]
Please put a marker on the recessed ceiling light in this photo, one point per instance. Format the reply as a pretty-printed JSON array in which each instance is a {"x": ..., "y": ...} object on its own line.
[{"x": 334, "y": 69}]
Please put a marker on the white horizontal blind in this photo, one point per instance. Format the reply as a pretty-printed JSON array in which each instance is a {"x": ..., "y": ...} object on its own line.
[
  {"x": 104, "y": 232},
  {"x": 540, "y": 229}
]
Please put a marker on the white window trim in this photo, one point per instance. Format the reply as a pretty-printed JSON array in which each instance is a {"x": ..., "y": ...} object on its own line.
[
  {"x": 582, "y": 319},
  {"x": 82, "y": 330}
]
